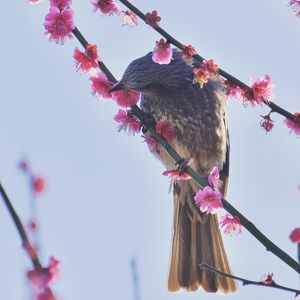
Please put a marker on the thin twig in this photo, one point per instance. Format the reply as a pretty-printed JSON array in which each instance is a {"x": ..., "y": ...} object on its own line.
[
  {"x": 245, "y": 281},
  {"x": 276, "y": 108},
  {"x": 270, "y": 246},
  {"x": 21, "y": 230}
]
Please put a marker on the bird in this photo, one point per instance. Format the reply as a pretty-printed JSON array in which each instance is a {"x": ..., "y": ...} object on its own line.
[{"x": 198, "y": 116}]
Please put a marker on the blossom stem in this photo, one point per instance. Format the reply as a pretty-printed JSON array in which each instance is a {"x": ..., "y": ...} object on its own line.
[
  {"x": 276, "y": 108},
  {"x": 19, "y": 226},
  {"x": 247, "y": 281},
  {"x": 203, "y": 181}
]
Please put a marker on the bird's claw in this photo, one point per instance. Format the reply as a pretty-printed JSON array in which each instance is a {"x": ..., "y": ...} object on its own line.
[
  {"x": 182, "y": 164},
  {"x": 148, "y": 122}
]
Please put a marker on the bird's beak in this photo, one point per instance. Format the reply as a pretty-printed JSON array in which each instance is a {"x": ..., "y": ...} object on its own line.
[{"x": 117, "y": 87}]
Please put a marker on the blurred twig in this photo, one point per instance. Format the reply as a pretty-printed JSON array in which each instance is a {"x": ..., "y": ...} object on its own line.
[
  {"x": 135, "y": 279},
  {"x": 21, "y": 230}
]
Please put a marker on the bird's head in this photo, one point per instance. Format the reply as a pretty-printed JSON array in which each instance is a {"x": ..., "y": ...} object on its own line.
[{"x": 146, "y": 76}]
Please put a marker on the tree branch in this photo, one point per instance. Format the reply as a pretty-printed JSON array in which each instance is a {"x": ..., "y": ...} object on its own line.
[
  {"x": 270, "y": 246},
  {"x": 274, "y": 107},
  {"x": 272, "y": 284},
  {"x": 21, "y": 230}
]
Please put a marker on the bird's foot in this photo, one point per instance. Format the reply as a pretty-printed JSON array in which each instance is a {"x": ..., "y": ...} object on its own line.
[
  {"x": 148, "y": 122},
  {"x": 182, "y": 164}
]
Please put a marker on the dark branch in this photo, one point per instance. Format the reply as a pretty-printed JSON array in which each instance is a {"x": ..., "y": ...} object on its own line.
[
  {"x": 21, "y": 230},
  {"x": 223, "y": 73},
  {"x": 270, "y": 246},
  {"x": 249, "y": 282}
]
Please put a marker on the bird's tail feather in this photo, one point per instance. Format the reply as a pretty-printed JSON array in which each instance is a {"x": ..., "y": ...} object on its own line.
[{"x": 196, "y": 239}]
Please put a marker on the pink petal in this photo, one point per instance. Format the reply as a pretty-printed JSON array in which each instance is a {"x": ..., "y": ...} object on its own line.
[
  {"x": 208, "y": 200},
  {"x": 126, "y": 98},
  {"x": 176, "y": 175},
  {"x": 127, "y": 121},
  {"x": 162, "y": 53},
  {"x": 230, "y": 224},
  {"x": 101, "y": 86},
  {"x": 165, "y": 129},
  {"x": 129, "y": 18},
  {"x": 295, "y": 235}
]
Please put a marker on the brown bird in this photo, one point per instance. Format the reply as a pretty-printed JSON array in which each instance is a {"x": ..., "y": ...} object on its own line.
[{"x": 199, "y": 119}]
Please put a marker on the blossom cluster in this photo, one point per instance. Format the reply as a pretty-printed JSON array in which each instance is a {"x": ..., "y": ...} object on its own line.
[
  {"x": 153, "y": 19},
  {"x": 262, "y": 89},
  {"x": 59, "y": 22},
  {"x": 207, "y": 71},
  {"x": 41, "y": 280},
  {"x": 88, "y": 60},
  {"x": 110, "y": 7},
  {"x": 187, "y": 53}
]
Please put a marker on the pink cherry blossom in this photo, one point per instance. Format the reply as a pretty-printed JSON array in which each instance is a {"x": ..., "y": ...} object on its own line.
[
  {"x": 268, "y": 279},
  {"x": 107, "y": 7},
  {"x": 201, "y": 76},
  {"x": 92, "y": 52},
  {"x": 126, "y": 98},
  {"x": 152, "y": 144},
  {"x": 162, "y": 53},
  {"x": 38, "y": 184},
  {"x": 262, "y": 90},
  {"x": 187, "y": 53},
  {"x": 267, "y": 123},
  {"x": 127, "y": 121},
  {"x": 214, "y": 178},
  {"x": 177, "y": 175},
  {"x": 208, "y": 70},
  {"x": 208, "y": 200},
  {"x": 42, "y": 278},
  {"x": 211, "y": 67},
  {"x": 101, "y": 86},
  {"x": 59, "y": 24},
  {"x": 232, "y": 90},
  {"x": 129, "y": 18},
  {"x": 39, "y": 278},
  {"x": 88, "y": 60},
  {"x": 295, "y": 235},
  {"x": 61, "y": 4},
  {"x": 230, "y": 224},
  {"x": 153, "y": 18},
  {"x": 293, "y": 125},
  {"x": 165, "y": 129}
]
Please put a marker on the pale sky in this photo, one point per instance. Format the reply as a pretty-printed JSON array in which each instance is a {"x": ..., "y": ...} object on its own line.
[{"x": 106, "y": 199}]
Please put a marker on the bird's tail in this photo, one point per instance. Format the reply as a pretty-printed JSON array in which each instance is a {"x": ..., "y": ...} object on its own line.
[{"x": 196, "y": 239}]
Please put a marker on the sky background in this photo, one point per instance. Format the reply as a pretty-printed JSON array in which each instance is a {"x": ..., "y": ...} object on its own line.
[{"x": 106, "y": 200}]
